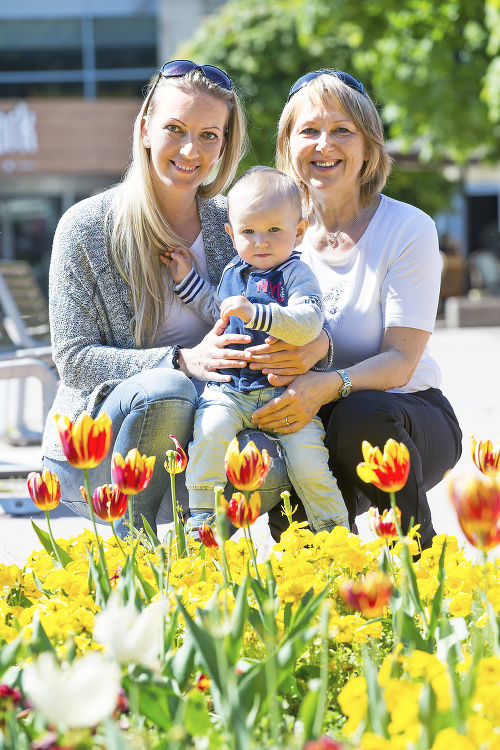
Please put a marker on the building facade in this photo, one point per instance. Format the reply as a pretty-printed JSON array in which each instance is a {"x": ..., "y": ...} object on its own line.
[{"x": 72, "y": 74}]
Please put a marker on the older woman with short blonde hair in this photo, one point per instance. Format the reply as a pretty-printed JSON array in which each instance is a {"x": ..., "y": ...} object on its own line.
[{"x": 378, "y": 264}]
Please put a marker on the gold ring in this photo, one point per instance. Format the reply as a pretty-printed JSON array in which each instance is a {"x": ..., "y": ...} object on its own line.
[{"x": 287, "y": 422}]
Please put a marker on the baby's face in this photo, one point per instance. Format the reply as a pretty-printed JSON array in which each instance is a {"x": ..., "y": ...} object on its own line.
[{"x": 265, "y": 233}]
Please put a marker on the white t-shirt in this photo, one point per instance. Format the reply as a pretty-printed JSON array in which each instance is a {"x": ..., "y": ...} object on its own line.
[
  {"x": 390, "y": 278},
  {"x": 181, "y": 325}
]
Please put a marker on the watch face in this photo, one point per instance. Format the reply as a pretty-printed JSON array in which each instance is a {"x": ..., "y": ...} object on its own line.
[{"x": 345, "y": 390}]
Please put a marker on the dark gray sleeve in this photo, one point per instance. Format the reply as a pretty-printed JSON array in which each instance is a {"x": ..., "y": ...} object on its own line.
[{"x": 89, "y": 316}]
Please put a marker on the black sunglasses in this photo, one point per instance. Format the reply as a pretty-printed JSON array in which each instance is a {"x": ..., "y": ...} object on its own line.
[
  {"x": 179, "y": 68},
  {"x": 346, "y": 78}
]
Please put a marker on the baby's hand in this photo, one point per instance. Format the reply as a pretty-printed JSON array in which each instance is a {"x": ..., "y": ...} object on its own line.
[
  {"x": 178, "y": 262},
  {"x": 239, "y": 306}
]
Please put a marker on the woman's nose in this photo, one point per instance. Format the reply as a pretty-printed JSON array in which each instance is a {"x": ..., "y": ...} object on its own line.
[
  {"x": 324, "y": 142},
  {"x": 189, "y": 147}
]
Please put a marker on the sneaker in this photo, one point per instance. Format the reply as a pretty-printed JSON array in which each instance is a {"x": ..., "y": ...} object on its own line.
[{"x": 196, "y": 521}]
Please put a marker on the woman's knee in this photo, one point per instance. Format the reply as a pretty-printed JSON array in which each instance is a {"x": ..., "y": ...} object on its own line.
[
  {"x": 163, "y": 383},
  {"x": 365, "y": 415}
]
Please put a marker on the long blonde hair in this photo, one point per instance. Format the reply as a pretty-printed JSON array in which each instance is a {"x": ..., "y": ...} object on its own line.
[
  {"x": 328, "y": 90},
  {"x": 140, "y": 232}
]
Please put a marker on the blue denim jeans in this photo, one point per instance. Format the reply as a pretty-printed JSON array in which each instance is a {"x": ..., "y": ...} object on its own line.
[
  {"x": 223, "y": 411},
  {"x": 145, "y": 409}
]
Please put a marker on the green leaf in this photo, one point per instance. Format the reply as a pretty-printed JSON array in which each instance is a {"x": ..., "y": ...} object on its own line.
[
  {"x": 205, "y": 645},
  {"x": 40, "y": 641},
  {"x": 377, "y": 712},
  {"x": 196, "y": 717},
  {"x": 181, "y": 665},
  {"x": 52, "y": 549},
  {"x": 114, "y": 738},
  {"x": 438, "y": 596},
  {"x": 9, "y": 654},
  {"x": 308, "y": 708},
  {"x": 155, "y": 697},
  {"x": 409, "y": 632},
  {"x": 149, "y": 531},
  {"x": 234, "y": 640},
  {"x": 148, "y": 591},
  {"x": 101, "y": 581}
]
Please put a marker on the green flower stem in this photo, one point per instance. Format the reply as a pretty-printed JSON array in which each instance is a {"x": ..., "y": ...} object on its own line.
[
  {"x": 100, "y": 554},
  {"x": 392, "y": 496},
  {"x": 90, "y": 503},
  {"x": 161, "y": 584},
  {"x": 248, "y": 537},
  {"x": 389, "y": 559},
  {"x": 271, "y": 672},
  {"x": 54, "y": 547},
  {"x": 169, "y": 560},
  {"x": 118, "y": 541},
  {"x": 131, "y": 518},
  {"x": 171, "y": 470}
]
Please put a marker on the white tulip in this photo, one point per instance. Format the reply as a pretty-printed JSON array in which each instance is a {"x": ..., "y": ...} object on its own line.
[
  {"x": 77, "y": 695},
  {"x": 130, "y": 635}
]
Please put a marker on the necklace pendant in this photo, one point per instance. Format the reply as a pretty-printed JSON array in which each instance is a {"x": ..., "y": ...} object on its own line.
[{"x": 333, "y": 241}]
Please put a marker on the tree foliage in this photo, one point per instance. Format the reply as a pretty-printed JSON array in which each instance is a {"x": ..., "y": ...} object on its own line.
[{"x": 433, "y": 68}]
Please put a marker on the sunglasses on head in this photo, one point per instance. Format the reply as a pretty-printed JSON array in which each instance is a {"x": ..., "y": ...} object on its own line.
[
  {"x": 346, "y": 78},
  {"x": 179, "y": 68}
]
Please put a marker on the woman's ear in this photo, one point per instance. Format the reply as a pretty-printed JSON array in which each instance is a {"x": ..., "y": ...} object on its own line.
[{"x": 146, "y": 141}]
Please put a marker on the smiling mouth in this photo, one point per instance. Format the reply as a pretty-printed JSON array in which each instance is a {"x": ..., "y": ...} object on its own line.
[
  {"x": 326, "y": 164},
  {"x": 183, "y": 168}
]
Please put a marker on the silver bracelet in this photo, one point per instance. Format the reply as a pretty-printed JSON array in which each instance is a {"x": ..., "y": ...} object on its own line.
[{"x": 329, "y": 356}]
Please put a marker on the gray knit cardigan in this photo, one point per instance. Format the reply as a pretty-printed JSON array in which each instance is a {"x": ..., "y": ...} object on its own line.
[{"x": 90, "y": 310}]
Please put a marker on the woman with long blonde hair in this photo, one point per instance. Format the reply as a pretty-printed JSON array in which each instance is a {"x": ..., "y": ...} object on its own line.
[{"x": 122, "y": 343}]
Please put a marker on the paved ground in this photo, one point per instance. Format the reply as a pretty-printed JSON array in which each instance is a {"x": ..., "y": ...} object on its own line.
[{"x": 470, "y": 362}]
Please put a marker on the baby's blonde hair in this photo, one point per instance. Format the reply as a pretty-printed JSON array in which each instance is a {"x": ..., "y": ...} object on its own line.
[{"x": 259, "y": 183}]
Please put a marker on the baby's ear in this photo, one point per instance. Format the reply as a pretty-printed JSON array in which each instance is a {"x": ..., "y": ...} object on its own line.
[
  {"x": 301, "y": 230},
  {"x": 229, "y": 230}
]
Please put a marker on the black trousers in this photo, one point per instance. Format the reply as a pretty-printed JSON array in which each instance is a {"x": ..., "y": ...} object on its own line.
[{"x": 425, "y": 422}]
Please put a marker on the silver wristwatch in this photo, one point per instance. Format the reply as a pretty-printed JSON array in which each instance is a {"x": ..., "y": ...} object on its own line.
[{"x": 346, "y": 386}]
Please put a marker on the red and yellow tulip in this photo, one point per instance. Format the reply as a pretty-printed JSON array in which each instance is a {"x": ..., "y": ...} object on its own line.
[
  {"x": 384, "y": 525},
  {"x": 389, "y": 471},
  {"x": 207, "y": 536},
  {"x": 132, "y": 473},
  {"x": 477, "y": 503},
  {"x": 240, "y": 511},
  {"x": 246, "y": 470},
  {"x": 485, "y": 456},
  {"x": 179, "y": 462},
  {"x": 368, "y": 595},
  {"x": 86, "y": 442},
  {"x": 109, "y": 502},
  {"x": 44, "y": 489}
]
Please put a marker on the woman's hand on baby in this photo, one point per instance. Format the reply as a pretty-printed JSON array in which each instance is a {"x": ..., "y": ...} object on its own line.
[
  {"x": 239, "y": 306},
  {"x": 178, "y": 261},
  {"x": 203, "y": 361},
  {"x": 295, "y": 407},
  {"x": 282, "y": 362}
]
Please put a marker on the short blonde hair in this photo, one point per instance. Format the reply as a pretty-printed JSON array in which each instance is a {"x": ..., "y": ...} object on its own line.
[
  {"x": 329, "y": 90},
  {"x": 139, "y": 232},
  {"x": 260, "y": 182}
]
